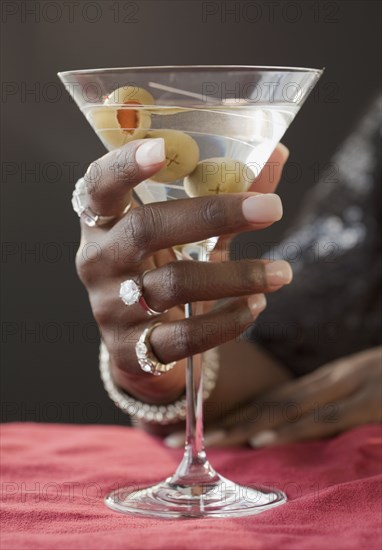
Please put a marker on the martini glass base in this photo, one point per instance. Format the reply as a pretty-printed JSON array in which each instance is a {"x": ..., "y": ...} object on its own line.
[{"x": 220, "y": 499}]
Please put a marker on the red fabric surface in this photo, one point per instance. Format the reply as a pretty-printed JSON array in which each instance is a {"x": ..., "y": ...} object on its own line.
[{"x": 54, "y": 477}]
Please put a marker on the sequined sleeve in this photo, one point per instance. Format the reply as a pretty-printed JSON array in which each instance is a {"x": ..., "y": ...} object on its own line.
[{"x": 333, "y": 306}]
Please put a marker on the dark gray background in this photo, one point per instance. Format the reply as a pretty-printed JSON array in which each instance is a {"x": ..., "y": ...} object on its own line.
[{"x": 49, "y": 340}]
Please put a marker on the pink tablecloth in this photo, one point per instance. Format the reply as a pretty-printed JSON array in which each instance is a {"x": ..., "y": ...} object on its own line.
[{"x": 54, "y": 477}]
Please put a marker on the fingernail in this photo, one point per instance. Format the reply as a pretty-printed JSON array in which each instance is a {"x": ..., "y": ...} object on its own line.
[
  {"x": 263, "y": 208},
  {"x": 257, "y": 303},
  {"x": 263, "y": 439},
  {"x": 284, "y": 150},
  {"x": 175, "y": 440},
  {"x": 211, "y": 438},
  {"x": 278, "y": 273},
  {"x": 151, "y": 152}
]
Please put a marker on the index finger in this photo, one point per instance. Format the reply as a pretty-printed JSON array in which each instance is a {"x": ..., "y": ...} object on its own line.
[
  {"x": 270, "y": 175},
  {"x": 110, "y": 179}
]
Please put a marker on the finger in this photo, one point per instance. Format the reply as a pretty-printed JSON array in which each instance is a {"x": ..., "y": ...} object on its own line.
[
  {"x": 270, "y": 175},
  {"x": 175, "y": 340},
  {"x": 222, "y": 250},
  {"x": 287, "y": 403},
  {"x": 266, "y": 182},
  {"x": 181, "y": 282},
  {"x": 155, "y": 226},
  {"x": 109, "y": 180},
  {"x": 323, "y": 421}
]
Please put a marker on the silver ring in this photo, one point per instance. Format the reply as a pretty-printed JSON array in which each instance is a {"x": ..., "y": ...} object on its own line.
[
  {"x": 131, "y": 292},
  {"x": 87, "y": 214},
  {"x": 146, "y": 358}
]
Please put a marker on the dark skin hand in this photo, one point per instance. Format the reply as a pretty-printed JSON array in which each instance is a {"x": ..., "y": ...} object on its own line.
[
  {"x": 142, "y": 240},
  {"x": 262, "y": 404},
  {"x": 336, "y": 397}
]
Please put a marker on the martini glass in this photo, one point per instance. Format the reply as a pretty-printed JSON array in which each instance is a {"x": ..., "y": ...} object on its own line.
[{"x": 236, "y": 113}]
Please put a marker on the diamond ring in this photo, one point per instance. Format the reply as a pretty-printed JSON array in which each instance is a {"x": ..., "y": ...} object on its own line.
[
  {"x": 146, "y": 358},
  {"x": 87, "y": 214},
  {"x": 131, "y": 292}
]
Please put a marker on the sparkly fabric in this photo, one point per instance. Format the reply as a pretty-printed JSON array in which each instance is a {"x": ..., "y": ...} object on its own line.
[{"x": 332, "y": 308}]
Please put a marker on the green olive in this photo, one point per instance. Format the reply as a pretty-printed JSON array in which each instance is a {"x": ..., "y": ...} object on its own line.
[
  {"x": 218, "y": 175},
  {"x": 117, "y": 126},
  {"x": 182, "y": 155}
]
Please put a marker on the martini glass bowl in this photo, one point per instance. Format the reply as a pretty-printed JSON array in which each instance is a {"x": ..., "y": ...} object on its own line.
[{"x": 220, "y": 125}]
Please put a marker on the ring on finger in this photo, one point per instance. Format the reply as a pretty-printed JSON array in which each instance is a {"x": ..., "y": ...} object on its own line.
[
  {"x": 146, "y": 357},
  {"x": 85, "y": 212},
  {"x": 131, "y": 292}
]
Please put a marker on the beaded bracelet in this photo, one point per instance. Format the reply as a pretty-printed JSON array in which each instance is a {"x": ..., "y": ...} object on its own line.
[{"x": 154, "y": 414}]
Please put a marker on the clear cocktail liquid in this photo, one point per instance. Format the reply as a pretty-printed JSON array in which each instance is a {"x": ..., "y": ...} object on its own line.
[{"x": 246, "y": 133}]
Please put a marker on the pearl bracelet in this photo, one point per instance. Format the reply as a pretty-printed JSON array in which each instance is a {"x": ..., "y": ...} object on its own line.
[{"x": 154, "y": 414}]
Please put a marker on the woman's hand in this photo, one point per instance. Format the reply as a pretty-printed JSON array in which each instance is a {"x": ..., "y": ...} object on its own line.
[
  {"x": 142, "y": 240},
  {"x": 334, "y": 398}
]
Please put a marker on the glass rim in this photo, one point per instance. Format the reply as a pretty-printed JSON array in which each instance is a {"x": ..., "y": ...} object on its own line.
[{"x": 265, "y": 68}]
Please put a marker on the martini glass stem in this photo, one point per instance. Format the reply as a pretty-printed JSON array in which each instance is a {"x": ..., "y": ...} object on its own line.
[
  {"x": 194, "y": 397},
  {"x": 194, "y": 469}
]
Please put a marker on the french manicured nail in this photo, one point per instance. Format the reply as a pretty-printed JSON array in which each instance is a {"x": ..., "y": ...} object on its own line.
[
  {"x": 256, "y": 303},
  {"x": 263, "y": 208},
  {"x": 211, "y": 438},
  {"x": 151, "y": 152},
  {"x": 174, "y": 440},
  {"x": 278, "y": 273},
  {"x": 263, "y": 439}
]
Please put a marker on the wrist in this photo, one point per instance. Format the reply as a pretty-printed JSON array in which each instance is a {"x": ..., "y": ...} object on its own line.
[
  {"x": 156, "y": 413},
  {"x": 158, "y": 390}
]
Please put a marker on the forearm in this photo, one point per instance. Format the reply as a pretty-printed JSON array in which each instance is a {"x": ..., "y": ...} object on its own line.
[{"x": 245, "y": 372}]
